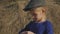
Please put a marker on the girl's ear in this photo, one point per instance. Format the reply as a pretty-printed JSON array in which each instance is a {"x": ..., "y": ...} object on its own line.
[{"x": 44, "y": 9}]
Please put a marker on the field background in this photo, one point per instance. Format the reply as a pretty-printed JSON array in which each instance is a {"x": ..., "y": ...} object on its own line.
[{"x": 13, "y": 18}]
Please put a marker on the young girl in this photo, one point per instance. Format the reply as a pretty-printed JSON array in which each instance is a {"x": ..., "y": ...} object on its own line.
[{"x": 40, "y": 24}]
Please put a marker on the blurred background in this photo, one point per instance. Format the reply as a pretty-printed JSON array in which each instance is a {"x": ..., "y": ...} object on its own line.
[{"x": 13, "y": 18}]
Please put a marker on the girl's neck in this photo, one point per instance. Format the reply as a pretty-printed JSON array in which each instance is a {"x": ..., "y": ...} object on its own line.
[{"x": 43, "y": 19}]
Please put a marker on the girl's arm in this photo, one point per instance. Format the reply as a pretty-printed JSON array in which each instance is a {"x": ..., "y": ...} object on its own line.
[
  {"x": 26, "y": 28},
  {"x": 49, "y": 28}
]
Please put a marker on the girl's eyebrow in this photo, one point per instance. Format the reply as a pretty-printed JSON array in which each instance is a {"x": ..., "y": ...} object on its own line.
[{"x": 33, "y": 9}]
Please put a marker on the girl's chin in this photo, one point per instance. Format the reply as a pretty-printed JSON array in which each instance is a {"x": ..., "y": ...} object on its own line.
[{"x": 37, "y": 20}]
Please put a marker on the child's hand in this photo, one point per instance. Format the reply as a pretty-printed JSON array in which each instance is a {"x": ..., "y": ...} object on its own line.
[{"x": 27, "y": 32}]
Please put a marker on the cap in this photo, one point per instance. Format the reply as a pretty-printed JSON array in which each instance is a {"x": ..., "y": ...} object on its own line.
[{"x": 34, "y": 3}]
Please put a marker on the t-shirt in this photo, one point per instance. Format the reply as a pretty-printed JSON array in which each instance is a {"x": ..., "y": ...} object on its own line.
[{"x": 39, "y": 28}]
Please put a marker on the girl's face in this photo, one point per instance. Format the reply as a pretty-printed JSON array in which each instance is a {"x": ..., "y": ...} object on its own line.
[{"x": 37, "y": 13}]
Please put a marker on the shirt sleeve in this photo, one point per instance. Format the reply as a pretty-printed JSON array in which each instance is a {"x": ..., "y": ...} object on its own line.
[
  {"x": 49, "y": 28},
  {"x": 26, "y": 28}
]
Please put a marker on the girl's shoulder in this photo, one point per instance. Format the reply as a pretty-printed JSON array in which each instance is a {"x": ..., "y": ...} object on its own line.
[{"x": 48, "y": 23}]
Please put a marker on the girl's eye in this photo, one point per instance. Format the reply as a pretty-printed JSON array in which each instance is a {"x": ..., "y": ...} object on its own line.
[{"x": 34, "y": 14}]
